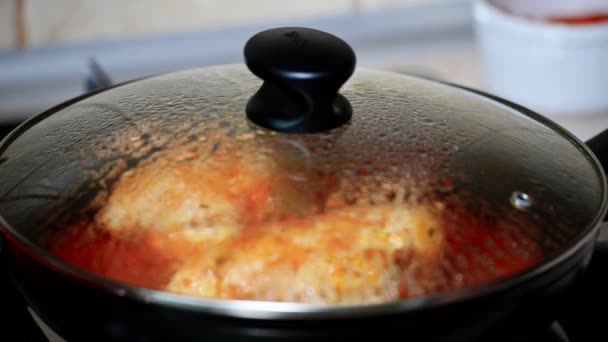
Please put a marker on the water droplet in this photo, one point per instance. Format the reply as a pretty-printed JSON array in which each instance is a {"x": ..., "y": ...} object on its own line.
[
  {"x": 428, "y": 121},
  {"x": 244, "y": 137},
  {"x": 363, "y": 172},
  {"x": 190, "y": 154}
]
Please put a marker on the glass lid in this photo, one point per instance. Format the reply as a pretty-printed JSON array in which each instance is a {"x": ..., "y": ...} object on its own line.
[{"x": 296, "y": 178}]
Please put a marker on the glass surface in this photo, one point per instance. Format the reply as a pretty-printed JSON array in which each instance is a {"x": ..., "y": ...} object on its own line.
[{"x": 163, "y": 183}]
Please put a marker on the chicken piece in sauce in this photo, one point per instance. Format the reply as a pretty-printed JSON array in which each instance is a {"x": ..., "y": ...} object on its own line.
[
  {"x": 258, "y": 230},
  {"x": 211, "y": 200},
  {"x": 350, "y": 255}
]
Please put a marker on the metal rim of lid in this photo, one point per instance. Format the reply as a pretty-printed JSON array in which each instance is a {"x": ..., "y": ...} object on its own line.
[{"x": 288, "y": 310}]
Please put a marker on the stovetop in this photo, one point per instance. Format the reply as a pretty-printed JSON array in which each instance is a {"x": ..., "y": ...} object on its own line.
[{"x": 17, "y": 323}]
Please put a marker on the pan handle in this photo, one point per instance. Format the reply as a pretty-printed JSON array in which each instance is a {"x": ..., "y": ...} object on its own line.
[
  {"x": 577, "y": 319},
  {"x": 599, "y": 146},
  {"x": 596, "y": 276}
]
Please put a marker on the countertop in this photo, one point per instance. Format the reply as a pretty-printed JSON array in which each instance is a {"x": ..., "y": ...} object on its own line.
[{"x": 463, "y": 66}]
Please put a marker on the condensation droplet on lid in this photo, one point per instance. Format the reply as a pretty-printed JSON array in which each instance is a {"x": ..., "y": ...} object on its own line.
[
  {"x": 439, "y": 205},
  {"x": 244, "y": 137},
  {"x": 386, "y": 186},
  {"x": 428, "y": 121},
  {"x": 191, "y": 154}
]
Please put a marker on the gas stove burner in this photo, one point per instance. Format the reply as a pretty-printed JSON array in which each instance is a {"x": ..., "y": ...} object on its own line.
[
  {"x": 554, "y": 334},
  {"x": 96, "y": 77},
  {"x": 18, "y": 322},
  {"x": 51, "y": 336}
]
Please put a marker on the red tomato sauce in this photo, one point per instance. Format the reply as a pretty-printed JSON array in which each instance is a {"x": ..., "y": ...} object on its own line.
[
  {"x": 480, "y": 252},
  {"x": 592, "y": 18},
  {"x": 582, "y": 19},
  {"x": 136, "y": 259},
  {"x": 483, "y": 252}
]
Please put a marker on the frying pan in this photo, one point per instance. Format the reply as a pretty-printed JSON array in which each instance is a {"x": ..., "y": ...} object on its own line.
[{"x": 473, "y": 152}]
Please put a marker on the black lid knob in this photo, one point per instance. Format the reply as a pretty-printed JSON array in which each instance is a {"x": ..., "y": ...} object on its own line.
[{"x": 302, "y": 69}]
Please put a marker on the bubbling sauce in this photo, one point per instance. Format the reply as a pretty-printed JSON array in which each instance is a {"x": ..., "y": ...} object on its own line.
[
  {"x": 303, "y": 261},
  {"x": 273, "y": 228}
]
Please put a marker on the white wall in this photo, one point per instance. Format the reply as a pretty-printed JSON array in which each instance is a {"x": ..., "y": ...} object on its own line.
[{"x": 56, "y": 22}]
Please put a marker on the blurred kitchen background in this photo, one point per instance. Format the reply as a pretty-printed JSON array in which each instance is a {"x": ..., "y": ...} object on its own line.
[{"x": 45, "y": 45}]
